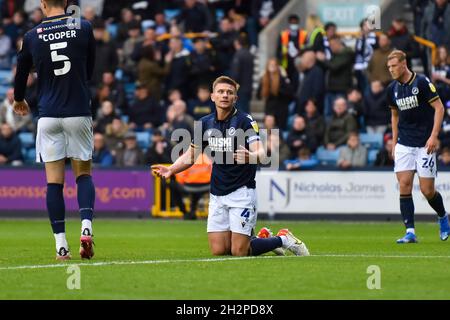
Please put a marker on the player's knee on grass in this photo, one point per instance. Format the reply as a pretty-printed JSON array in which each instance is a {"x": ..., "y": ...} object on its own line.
[
  {"x": 219, "y": 251},
  {"x": 81, "y": 168}
]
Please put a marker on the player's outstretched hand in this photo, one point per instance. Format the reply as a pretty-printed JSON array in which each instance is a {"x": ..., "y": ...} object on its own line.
[
  {"x": 21, "y": 108},
  {"x": 162, "y": 171},
  {"x": 242, "y": 155},
  {"x": 431, "y": 145}
]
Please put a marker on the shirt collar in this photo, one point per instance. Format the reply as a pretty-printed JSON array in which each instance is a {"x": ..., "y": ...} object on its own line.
[
  {"x": 55, "y": 18},
  {"x": 228, "y": 117}
]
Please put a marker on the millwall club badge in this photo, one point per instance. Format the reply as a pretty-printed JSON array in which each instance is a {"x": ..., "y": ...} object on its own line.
[
  {"x": 255, "y": 126},
  {"x": 432, "y": 87},
  {"x": 415, "y": 90}
]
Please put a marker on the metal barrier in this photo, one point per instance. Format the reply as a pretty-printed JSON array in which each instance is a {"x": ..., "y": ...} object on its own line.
[{"x": 164, "y": 205}]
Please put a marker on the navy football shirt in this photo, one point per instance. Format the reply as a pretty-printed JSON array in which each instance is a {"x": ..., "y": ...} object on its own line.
[
  {"x": 63, "y": 52},
  {"x": 222, "y": 138},
  {"x": 416, "y": 116}
]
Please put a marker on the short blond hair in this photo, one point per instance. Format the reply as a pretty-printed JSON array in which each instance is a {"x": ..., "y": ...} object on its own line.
[
  {"x": 227, "y": 80},
  {"x": 400, "y": 55}
]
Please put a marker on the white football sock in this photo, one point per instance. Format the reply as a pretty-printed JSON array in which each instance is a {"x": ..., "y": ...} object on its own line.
[
  {"x": 86, "y": 224},
  {"x": 61, "y": 241},
  {"x": 411, "y": 230}
]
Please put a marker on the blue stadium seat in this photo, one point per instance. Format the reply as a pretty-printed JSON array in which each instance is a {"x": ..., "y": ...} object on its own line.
[
  {"x": 372, "y": 156},
  {"x": 371, "y": 141},
  {"x": 30, "y": 156},
  {"x": 5, "y": 77},
  {"x": 143, "y": 139},
  {"x": 27, "y": 139},
  {"x": 125, "y": 118},
  {"x": 327, "y": 157},
  {"x": 112, "y": 29},
  {"x": 171, "y": 13}
]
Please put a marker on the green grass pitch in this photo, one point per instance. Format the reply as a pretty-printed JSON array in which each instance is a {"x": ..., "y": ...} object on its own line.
[{"x": 167, "y": 259}]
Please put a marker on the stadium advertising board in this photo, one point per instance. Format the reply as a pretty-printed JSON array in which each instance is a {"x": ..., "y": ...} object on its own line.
[
  {"x": 115, "y": 190},
  {"x": 355, "y": 192}
]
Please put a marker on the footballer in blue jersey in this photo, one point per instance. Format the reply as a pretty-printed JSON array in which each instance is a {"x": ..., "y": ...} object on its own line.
[
  {"x": 417, "y": 114},
  {"x": 62, "y": 51},
  {"x": 231, "y": 138}
]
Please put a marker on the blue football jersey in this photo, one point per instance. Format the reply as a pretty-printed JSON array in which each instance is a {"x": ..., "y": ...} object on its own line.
[
  {"x": 222, "y": 138},
  {"x": 416, "y": 115},
  {"x": 62, "y": 50}
]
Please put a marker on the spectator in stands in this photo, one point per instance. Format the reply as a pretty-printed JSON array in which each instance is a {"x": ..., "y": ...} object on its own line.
[
  {"x": 117, "y": 93},
  {"x": 316, "y": 33},
  {"x": 178, "y": 77},
  {"x": 127, "y": 19},
  {"x": 106, "y": 55},
  {"x": 315, "y": 123},
  {"x": 127, "y": 64},
  {"x": 89, "y": 13},
  {"x": 5, "y": 49},
  {"x": 242, "y": 71},
  {"x": 150, "y": 73},
  {"x": 353, "y": 155},
  {"x": 364, "y": 47},
  {"x": 290, "y": 42},
  {"x": 195, "y": 17},
  {"x": 276, "y": 90},
  {"x": 277, "y": 148},
  {"x": 130, "y": 155},
  {"x": 36, "y": 17},
  {"x": 299, "y": 137},
  {"x": 304, "y": 160},
  {"x": 340, "y": 126},
  {"x": 17, "y": 27},
  {"x": 150, "y": 39},
  {"x": 436, "y": 23},
  {"x": 10, "y": 146},
  {"x": 202, "y": 65},
  {"x": 9, "y": 8},
  {"x": 161, "y": 25},
  {"x": 223, "y": 44},
  {"x": 7, "y": 115},
  {"x": 441, "y": 74},
  {"x": 339, "y": 72},
  {"x": 311, "y": 83},
  {"x": 202, "y": 105},
  {"x": 384, "y": 156},
  {"x": 330, "y": 32},
  {"x": 377, "y": 69},
  {"x": 355, "y": 106},
  {"x": 101, "y": 156},
  {"x": 376, "y": 114},
  {"x": 265, "y": 10},
  {"x": 402, "y": 39},
  {"x": 160, "y": 151},
  {"x": 144, "y": 112},
  {"x": 102, "y": 94},
  {"x": 444, "y": 157},
  {"x": 182, "y": 120},
  {"x": 418, "y": 7},
  {"x": 113, "y": 10},
  {"x": 105, "y": 116},
  {"x": 114, "y": 135}
]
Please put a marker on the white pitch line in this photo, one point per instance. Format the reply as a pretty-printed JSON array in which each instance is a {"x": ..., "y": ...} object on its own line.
[{"x": 231, "y": 259}]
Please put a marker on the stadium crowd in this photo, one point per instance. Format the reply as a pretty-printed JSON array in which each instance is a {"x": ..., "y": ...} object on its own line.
[{"x": 156, "y": 61}]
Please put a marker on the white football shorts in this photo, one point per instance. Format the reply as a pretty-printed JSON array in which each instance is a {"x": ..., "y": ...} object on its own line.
[
  {"x": 415, "y": 159},
  {"x": 60, "y": 138},
  {"x": 235, "y": 212}
]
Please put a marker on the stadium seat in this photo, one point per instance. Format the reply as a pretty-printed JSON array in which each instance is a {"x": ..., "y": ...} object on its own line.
[
  {"x": 372, "y": 156},
  {"x": 371, "y": 141},
  {"x": 5, "y": 77},
  {"x": 327, "y": 157},
  {"x": 125, "y": 118},
  {"x": 171, "y": 13},
  {"x": 143, "y": 139},
  {"x": 30, "y": 156},
  {"x": 112, "y": 30},
  {"x": 27, "y": 139}
]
